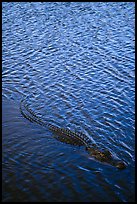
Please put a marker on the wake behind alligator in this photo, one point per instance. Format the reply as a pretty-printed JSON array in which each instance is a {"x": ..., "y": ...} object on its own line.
[{"x": 73, "y": 138}]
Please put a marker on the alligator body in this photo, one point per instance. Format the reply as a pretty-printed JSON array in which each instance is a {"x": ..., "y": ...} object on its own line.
[{"x": 73, "y": 138}]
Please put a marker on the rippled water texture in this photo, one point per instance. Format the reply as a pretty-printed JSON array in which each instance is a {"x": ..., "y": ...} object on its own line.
[{"x": 75, "y": 63}]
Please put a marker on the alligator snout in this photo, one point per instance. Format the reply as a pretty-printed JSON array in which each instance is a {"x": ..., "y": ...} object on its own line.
[{"x": 121, "y": 165}]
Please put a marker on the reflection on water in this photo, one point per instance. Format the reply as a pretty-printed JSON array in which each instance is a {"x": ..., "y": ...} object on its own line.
[{"x": 75, "y": 62}]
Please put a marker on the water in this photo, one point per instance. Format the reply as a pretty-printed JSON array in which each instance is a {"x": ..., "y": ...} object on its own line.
[{"x": 75, "y": 62}]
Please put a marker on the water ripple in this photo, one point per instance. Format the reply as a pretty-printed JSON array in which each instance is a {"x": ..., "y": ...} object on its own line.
[{"x": 75, "y": 62}]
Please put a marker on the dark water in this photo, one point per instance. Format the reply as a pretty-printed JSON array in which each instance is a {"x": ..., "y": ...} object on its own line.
[{"x": 75, "y": 62}]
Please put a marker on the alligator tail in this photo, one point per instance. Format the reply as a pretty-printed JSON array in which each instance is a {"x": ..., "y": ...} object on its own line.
[{"x": 30, "y": 115}]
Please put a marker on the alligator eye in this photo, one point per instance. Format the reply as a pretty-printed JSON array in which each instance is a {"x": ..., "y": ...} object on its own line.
[
  {"x": 121, "y": 165},
  {"x": 94, "y": 145}
]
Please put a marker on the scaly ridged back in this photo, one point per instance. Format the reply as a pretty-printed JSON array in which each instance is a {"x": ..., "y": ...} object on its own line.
[{"x": 62, "y": 134}]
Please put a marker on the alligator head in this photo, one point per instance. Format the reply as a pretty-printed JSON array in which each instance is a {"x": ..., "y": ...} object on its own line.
[{"x": 106, "y": 157}]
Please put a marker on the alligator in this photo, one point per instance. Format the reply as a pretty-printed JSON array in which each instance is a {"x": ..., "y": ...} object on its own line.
[{"x": 74, "y": 138}]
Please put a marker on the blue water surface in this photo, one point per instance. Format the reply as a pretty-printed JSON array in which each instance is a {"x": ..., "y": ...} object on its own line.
[{"x": 75, "y": 63}]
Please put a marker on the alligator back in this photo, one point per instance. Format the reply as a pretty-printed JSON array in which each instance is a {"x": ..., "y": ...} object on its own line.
[{"x": 61, "y": 134}]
